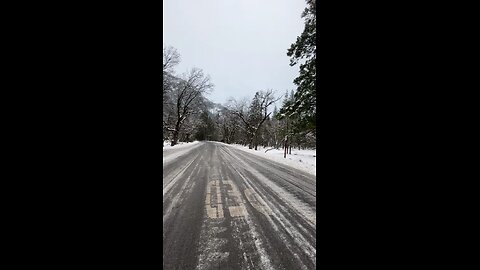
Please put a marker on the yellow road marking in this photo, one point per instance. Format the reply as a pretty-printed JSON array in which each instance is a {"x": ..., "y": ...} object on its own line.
[
  {"x": 233, "y": 193},
  {"x": 237, "y": 211},
  {"x": 214, "y": 210}
]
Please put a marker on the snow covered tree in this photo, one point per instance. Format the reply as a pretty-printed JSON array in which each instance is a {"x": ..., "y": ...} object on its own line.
[
  {"x": 255, "y": 116},
  {"x": 303, "y": 106},
  {"x": 171, "y": 58},
  {"x": 207, "y": 130},
  {"x": 275, "y": 129},
  {"x": 187, "y": 95},
  {"x": 227, "y": 123},
  {"x": 238, "y": 109}
]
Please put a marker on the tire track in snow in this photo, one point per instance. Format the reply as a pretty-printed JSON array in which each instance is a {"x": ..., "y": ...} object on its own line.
[
  {"x": 263, "y": 224},
  {"x": 229, "y": 240},
  {"x": 300, "y": 206},
  {"x": 182, "y": 222},
  {"x": 170, "y": 178},
  {"x": 305, "y": 183},
  {"x": 289, "y": 232}
]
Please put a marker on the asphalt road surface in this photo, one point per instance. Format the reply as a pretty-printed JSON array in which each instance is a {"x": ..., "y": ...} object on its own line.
[{"x": 224, "y": 208}]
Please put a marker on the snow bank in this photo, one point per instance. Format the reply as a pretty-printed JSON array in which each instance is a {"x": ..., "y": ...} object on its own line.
[
  {"x": 173, "y": 152},
  {"x": 167, "y": 145},
  {"x": 304, "y": 160}
]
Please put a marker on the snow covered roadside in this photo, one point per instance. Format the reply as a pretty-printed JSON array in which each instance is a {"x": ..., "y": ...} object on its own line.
[
  {"x": 304, "y": 160},
  {"x": 167, "y": 145},
  {"x": 172, "y": 152}
]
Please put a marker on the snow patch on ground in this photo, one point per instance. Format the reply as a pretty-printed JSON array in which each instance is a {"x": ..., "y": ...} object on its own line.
[
  {"x": 167, "y": 145},
  {"x": 304, "y": 160},
  {"x": 172, "y": 152}
]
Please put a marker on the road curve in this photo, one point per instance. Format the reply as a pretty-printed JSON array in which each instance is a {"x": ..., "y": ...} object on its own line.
[{"x": 224, "y": 208}]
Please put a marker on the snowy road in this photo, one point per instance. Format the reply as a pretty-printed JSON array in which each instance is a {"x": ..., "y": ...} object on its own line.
[{"x": 224, "y": 208}]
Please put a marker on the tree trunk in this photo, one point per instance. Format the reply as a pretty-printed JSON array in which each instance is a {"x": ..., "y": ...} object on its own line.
[
  {"x": 250, "y": 142},
  {"x": 175, "y": 134},
  {"x": 175, "y": 138}
]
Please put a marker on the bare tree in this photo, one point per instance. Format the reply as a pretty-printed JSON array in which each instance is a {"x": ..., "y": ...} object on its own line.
[
  {"x": 255, "y": 116},
  {"x": 227, "y": 123},
  {"x": 171, "y": 58},
  {"x": 187, "y": 95}
]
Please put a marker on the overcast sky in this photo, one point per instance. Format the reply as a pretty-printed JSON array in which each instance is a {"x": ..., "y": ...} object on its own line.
[{"x": 241, "y": 44}]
